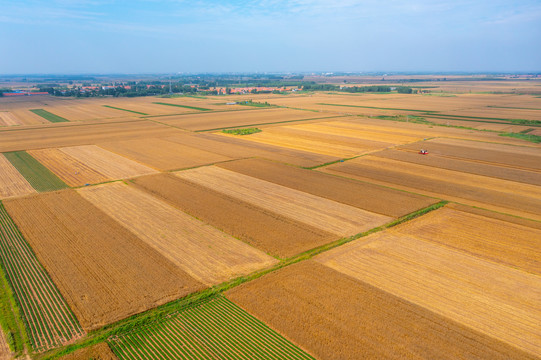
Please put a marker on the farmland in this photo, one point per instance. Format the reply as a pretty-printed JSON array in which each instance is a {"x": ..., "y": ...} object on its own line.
[{"x": 138, "y": 230}]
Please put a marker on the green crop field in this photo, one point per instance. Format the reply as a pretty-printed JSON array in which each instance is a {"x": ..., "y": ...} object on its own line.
[
  {"x": 41, "y": 178},
  {"x": 48, "y": 115},
  {"x": 183, "y": 106},
  {"x": 48, "y": 320},
  {"x": 212, "y": 329}
]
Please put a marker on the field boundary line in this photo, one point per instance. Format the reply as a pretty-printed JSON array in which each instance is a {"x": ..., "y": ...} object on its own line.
[{"x": 269, "y": 123}]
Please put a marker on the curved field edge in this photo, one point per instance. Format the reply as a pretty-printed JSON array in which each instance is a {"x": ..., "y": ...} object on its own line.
[
  {"x": 156, "y": 314},
  {"x": 48, "y": 320}
]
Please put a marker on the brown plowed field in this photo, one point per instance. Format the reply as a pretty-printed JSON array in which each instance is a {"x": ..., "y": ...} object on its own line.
[
  {"x": 104, "y": 272},
  {"x": 350, "y": 192},
  {"x": 201, "y": 250},
  {"x": 500, "y": 195},
  {"x": 235, "y": 147},
  {"x": 71, "y": 134},
  {"x": 12, "y": 183},
  {"x": 67, "y": 168},
  {"x": 490, "y": 170},
  {"x": 162, "y": 154},
  {"x": 492, "y": 239},
  {"x": 526, "y": 158},
  {"x": 101, "y": 351},
  {"x": 225, "y": 119},
  {"x": 336, "y": 317},
  {"x": 264, "y": 229},
  {"x": 8, "y": 119},
  {"x": 327, "y": 215},
  {"x": 107, "y": 163},
  {"x": 494, "y": 299}
]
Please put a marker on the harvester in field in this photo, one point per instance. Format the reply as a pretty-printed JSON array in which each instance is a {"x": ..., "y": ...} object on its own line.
[{"x": 423, "y": 152}]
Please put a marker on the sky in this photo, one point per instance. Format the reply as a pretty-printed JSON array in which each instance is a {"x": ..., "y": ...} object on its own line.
[{"x": 203, "y": 36}]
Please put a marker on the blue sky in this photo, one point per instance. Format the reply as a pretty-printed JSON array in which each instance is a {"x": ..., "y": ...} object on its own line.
[{"x": 148, "y": 36}]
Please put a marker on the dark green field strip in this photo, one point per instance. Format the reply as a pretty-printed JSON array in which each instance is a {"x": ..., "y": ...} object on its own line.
[
  {"x": 511, "y": 107},
  {"x": 132, "y": 111},
  {"x": 48, "y": 320},
  {"x": 183, "y": 106},
  {"x": 41, "y": 178},
  {"x": 473, "y": 118},
  {"x": 379, "y": 108},
  {"x": 49, "y": 116},
  {"x": 212, "y": 329}
]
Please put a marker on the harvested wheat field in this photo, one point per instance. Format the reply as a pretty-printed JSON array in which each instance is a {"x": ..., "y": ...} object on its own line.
[
  {"x": 111, "y": 165},
  {"x": 207, "y": 254},
  {"x": 219, "y": 120},
  {"x": 104, "y": 272},
  {"x": 496, "y": 240},
  {"x": 72, "y": 171},
  {"x": 462, "y": 165},
  {"x": 266, "y": 230},
  {"x": 333, "y": 317},
  {"x": 519, "y": 157},
  {"x": 8, "y": 119},
  {"x": 235, "y": 147},
  {"x": 496, "y": 194},
  {"x": 324, "y": 214},
  {"x": 12, "y": 183},
  {"x": 5, "y": 352},
  {"x": 361, "y": 195},
  {"x": 101, "y": 351},
  {"x": 162, "y": 154},
  {"x": 72, "y": 134},
  {"x": 492, "y": 298}
]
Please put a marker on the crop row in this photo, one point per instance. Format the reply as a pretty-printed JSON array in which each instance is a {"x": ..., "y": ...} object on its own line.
[
  {"x": 48, "y": 319},
  {"x": 215, "y": 328}
]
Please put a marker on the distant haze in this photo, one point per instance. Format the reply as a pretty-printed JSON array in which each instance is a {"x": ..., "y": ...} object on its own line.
[{"x": 144, "y": 36}]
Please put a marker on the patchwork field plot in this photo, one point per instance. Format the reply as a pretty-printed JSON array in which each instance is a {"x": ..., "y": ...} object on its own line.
[
  {"x": 104, "y": 272},
  {"x": 111, "y": 165},
  {"x": 12, "y": 183},
  {"x": 350, "y": 192},
  {"x": 226, "y": 119},
  {"x": 100, "y": 351},
  {"x": 36, "y": 174},
  {"x": 163, "y": 154},
  {"x": 338, "y": 317},
  {"x": 71, "y": 134},
  {"x": 463, "y": 165},
  {"x": 72, "y": 171},
  {"x": 48, "y": 319},
  {"x": 488, "y": 297},
  {"x": 207, "y": 254},
  {"x": 499, "y": 240},
  {"x": 264, "y": 229},
  {"x": 327, "y": 215},
  {"x": 495, "y": 194},
  {"x": 525, "y": 158},
  {"x": 213, "y": 329},
  {"x": 8, "y": 119}
]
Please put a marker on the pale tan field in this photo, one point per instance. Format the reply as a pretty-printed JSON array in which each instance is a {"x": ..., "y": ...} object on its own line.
[
  {"x": 5, "y": 352},
  {"x": 204, "y": 252},
  {"x": 83, "y": 110},
  {"x": 491, "y": 298},
  {"x": 111, "y": 165},
  {"x": 8, "y": 119},
  {"x": 72, "y": 171},
  {"x": 324, "y": 214},
  {"x": 209, "y": 121},
  {"x": 12, "y": 183},
  {"x": 162, "y": 154}
]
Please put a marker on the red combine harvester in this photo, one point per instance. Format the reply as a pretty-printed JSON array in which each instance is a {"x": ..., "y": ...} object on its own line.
[{"x": 423, "y": 152}]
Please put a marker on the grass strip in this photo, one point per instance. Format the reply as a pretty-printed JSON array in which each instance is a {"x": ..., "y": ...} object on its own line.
[
  {"x": 270, "y": 123},
  {"x": 528, "y": 137},
  {"x": 41, "y": 178},
  {"x": 379, "y": 108},
  {"x": 132, "y": 111},
  {"x": 182, "y": 106},
  {"x": 48, "y": 115},
  {"x": 511, "y": 121},
  {"x": 244, "y": 131},
  {"x": 155, "y": 315}
]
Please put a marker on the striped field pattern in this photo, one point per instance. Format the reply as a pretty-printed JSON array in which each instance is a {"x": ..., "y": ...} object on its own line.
[
  {"x": 212, "y": 329},
  {"x": 48, "y": 319}
]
